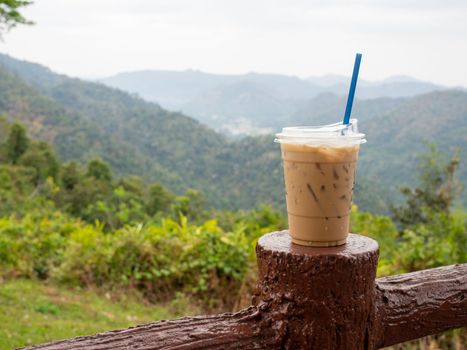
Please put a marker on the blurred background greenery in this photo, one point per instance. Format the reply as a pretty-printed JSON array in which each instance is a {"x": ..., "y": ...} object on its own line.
[
  {"x": 115, "y": 211},
  {"x": 66, "y": 228}
]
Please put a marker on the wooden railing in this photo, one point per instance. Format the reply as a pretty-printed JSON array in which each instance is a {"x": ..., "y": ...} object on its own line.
[{"x": 311, "y": 298}]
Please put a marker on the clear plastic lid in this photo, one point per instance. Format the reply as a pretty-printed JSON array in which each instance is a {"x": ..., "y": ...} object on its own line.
[{"x": 332, "y": 134}]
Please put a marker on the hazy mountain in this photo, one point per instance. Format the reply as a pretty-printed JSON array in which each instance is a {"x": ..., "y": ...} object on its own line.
[
  {"x": 329, "y": 80},
  {"x": 84, "y": 120},
  {"x": 177, "y": 89},
  {"x": 391, "y": 87},
  {"x": 171, "y": 89},
  {"x": 398, "y": 130},
  {"x": 245, "y": 100},
  {"x": 252, "y": 103},
  {"x": 327, "y": 108}
]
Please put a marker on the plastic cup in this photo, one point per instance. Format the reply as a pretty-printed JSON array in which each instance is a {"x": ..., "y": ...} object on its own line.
[{"x": 319, "y": 171}]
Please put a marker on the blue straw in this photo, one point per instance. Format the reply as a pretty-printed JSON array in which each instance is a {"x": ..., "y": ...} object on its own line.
[{"x": 353, "y": 86}]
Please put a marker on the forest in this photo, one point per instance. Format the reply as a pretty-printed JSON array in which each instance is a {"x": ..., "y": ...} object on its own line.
[
  {"x": 116, "y": 212},
  {"x": 84, "y": 120},
  {"x": 78, "y": 225}
]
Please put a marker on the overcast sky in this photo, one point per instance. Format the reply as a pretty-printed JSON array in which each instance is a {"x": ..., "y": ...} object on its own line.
[{"x": 95, "y": 38}]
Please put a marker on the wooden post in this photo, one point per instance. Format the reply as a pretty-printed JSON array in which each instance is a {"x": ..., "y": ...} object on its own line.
[
  {"x": 226, "y": 331},
  {"x": 311, "y": 298},
  {"x": 320, "y": 298},
  {"x": 416, "y": 304}
]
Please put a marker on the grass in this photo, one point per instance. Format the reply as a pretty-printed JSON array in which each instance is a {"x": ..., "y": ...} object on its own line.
[{"x": 34, "y": 312}]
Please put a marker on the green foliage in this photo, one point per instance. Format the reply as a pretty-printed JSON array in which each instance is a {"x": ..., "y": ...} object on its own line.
[
  {"x": 77, "y": 224},
  {"x": 10, "y": 15},
  {"x": 159, "y": 199},
  {"x": 383, "y": 230},
  {"x": 17, "y": 142},
  {"x": 70, "y": 176},
  {"x": 441, "y": 242},
  {"x": 18, "y": 195},
  {"x": 99, "y": 170},
  {"x": 192, "y": 205},
  {"x": 47, "y": 308},
  {"x": 436, "y": 193},
  {"x": 110, "y": 248},
  {"x": 159, "y": 260},
  {"x": 85, "y": 120},
  {"x": 33, "y": 312},
  {"x": 34, "y": 245},
  {"x": 40, "y": 157},
  {"x": 81, "y": 225},
  {"x": 430, "y": 235},
  {"x": 38, "y": 178}
]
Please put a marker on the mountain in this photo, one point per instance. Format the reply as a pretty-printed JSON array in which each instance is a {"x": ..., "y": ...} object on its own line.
[
  {"x": 398, "y": 130},
  {"x": 85, "y": 119},
  {"x": 73, "y": 135},
  {"x": 252, "y": 103},
  {"x": 326, "y": 107},
  {"x": 436, "y": 118},
  {"x": 240, "y": 101},
  {"x": 175, "y": 89},
  {"x": 392, "y": 87},
  {"x": 172, "y": 89},
  {"x": 329, "y": 80}
]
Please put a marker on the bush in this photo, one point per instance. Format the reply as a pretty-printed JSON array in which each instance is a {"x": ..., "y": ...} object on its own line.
[
  {"x": 441, "y": 242},
  {"x": 205, "y": 260},
  {"x": 383, "y": 230},
  {"x": 158, "y": 259},
  {"x": 34, "y": 245}
]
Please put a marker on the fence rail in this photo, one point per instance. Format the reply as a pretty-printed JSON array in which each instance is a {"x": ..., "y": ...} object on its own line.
[{"x": 311, "y": 298}]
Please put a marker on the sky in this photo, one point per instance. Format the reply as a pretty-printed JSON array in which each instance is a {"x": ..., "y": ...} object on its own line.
[{"x": 97, "y": 38}]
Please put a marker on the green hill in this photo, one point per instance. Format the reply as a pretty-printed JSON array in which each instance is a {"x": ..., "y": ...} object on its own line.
[
  {"x": 84, "y": 120},
  {"x": 251, "y": 103},
  {"x": 398, "y": 130}
]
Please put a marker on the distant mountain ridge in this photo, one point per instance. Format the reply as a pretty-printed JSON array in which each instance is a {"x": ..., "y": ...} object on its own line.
[
  {"x": 84, "y": 120},
  {"x": 257, "y": 103}
]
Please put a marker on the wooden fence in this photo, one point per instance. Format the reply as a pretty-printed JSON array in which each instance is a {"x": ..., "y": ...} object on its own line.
[{"x": 311, "y": 298}]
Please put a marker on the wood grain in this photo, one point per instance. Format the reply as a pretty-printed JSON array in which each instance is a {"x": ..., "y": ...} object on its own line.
[
  {"x": 226, "y": 331},
  {"x": 416, "y": 304}
]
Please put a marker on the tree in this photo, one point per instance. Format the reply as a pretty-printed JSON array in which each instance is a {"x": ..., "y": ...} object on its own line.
[
  {"x": 192, "y": 205},
  {"x": 70, "y": 175},
  {"x": 4, "y": 128},
  {"x": 132, "y": 184},
  {"x": 10, "y": 15},
  {"x": 41, "y": 157},
  {"x": 159, "y": 199},
  {"x": 437, "y": 190},
  {"x": 17, "y": 142},
  {"x": 99, "y": 170}
]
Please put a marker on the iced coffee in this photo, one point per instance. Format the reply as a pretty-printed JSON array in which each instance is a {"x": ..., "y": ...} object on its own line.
[{"x": 319, "y": 171}]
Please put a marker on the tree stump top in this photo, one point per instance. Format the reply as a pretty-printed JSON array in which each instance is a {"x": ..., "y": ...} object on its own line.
[
  {"x": 319, "y": 297},
  {"x": 281, "y": 242}
]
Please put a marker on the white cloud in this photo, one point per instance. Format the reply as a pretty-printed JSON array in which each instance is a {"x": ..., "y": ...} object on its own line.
[{"x": 101, "y": 37}]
